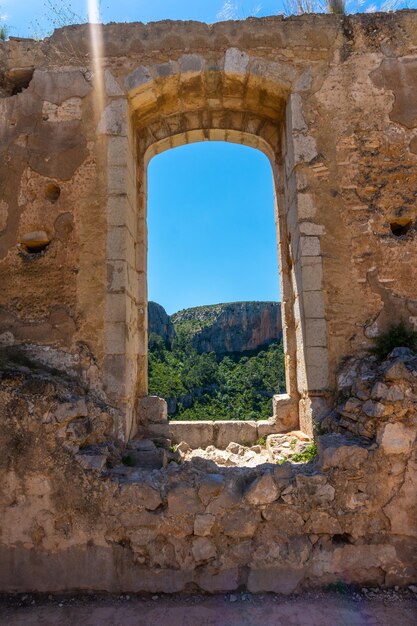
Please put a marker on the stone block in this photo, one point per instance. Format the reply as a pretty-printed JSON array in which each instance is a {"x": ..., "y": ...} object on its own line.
[
  {"x": 335, "y": 452},
  {"x": 240, "y": 432},
  {"x": 139, "y": 77},
  {"x": 284, "y": 580},
  {"x": 306, "y": 208},
  {"x": 210, "y": 487},
  {"x": 116, "y": 179},
  {"x": 117, "y": 151},
  {"x": 196, "y": 434},
  {"x": 191, "y": 63},
  {"x": 203, "y": 549},
  {"x": 316, "y": 334},
  {"x": 309, "y": 246},
  {"x": 297, "y": 117},
  {"x": 317, "y": 368},
  {"x": 396, "y": 438},
  {"x": 312, "y": 273},
  {"x": 305, "y": 149},
  {"x": 112, "y": 86},
  {"x": 313, "y": 303},
  {"x": 285, "y": 412},
  {"x": 114, "y": 119},
  {"x": 115, "y": 333},
  {"x": 311, "y": 229},
  {"x": 235, "y": 61},
  {"x": 263, "y": 490},
  {"x": 203, "y": 524},
  {"x": 152, "y": 409}
]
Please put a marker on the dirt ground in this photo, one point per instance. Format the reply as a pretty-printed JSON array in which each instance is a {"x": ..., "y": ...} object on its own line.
[{"x": 345, "y": 607}]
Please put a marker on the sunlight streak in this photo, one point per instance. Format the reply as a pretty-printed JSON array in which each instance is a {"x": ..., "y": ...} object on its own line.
[{"x": 97, "y": 50}]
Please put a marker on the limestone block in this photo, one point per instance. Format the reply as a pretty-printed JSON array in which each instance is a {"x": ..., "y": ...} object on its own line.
[
  {"x": 310, "y": 229},
  {"x": 139, "y": 77},
  {"x": 227, "y": 431},
  {"x": 112, "y": 86},
  {"x": 115, "y": 337},
  {"x": 312, "y": 273},
  {"x": 306, "y": 208},
  {"x": 183, "y": 500},
  {"x": 309, "y": 246},
  {"x": 316, "y": 334},
  {"x": 298, "y": 121},
  {"x": 118, "y": 240},
  {"x": 117, "y": 151},
  {"x": 263, "y": 490},
  {"x": 211, "y": 486},
  {"x": 203, "y": 524},
  {"x": 117, "y": 208},
  {"x": 116, "y": 307},
  {"x": 152, "y": 409},
  {"x": 285, "y": 413},
  {"x": 241, "y": 523},
  {"x": 396, "y": 438},
  {"x": 143, "y": 495},
  {"x": 235, "y": 61},
  {"x": 117, "y": 276},
  {"x": 373, "y": 409},
  {"x": 196, "y": 434},
  {"x": 117, "y": 179},
  {"x": 305, "y": 149},
  {"x": 334, "y": 452},
  {"x": 313, "y": 304},
  {"x": 317, "y": 368},
  {"x": 114, "y": 119},
  {"x": 203, "y": 549},
  {"x": 191, "y": 63}
]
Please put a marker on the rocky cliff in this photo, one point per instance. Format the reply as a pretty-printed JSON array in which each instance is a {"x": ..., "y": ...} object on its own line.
[
  {"x": 159, "y": 322},
  {"x": 231, "y": 328}
]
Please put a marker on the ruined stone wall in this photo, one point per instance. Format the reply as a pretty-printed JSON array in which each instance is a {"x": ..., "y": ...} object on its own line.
[
  {"x": 328, "y": 99},
  {"x": 331, "y": 101}
]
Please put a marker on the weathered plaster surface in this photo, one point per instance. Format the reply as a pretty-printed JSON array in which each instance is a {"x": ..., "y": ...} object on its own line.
[{"x": 330, "y": 100}]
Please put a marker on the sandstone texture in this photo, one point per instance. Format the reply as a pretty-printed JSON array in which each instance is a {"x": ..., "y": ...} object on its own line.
[{"x": 95, "y": 495}]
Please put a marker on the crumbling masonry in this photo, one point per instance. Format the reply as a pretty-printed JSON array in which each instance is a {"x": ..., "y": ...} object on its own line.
[{"x": 332, "y": 102}]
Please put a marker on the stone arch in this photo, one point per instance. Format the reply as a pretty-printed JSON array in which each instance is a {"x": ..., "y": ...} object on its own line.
[{"x": 235, "y": 98}]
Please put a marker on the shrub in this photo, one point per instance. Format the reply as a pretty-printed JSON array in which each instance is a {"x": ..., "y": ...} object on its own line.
[{"x": 397, "y": 336}]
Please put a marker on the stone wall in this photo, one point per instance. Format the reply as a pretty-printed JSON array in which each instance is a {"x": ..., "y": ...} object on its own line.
[
  {"x": 74, "y": 516},
  {"x": 331, "y": 101}
]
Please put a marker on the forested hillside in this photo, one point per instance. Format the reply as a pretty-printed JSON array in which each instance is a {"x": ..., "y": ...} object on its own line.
[{"x": 210, "y": 385}]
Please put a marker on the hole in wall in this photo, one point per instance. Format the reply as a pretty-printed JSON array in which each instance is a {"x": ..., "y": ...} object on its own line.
[
  {"x": 17, "y": 79},
  {"x": 400, "y": 227},
  {"x": 34, "y": 242},
  {"x": 52, "y": 192},
  {"x": 342, "y": 539}
]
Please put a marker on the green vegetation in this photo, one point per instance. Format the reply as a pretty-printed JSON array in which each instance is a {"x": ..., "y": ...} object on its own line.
[
  {"x": 307, "y": 455},
  {"x": 398, "y": 335},
  {"x": 201, "y": 386}
]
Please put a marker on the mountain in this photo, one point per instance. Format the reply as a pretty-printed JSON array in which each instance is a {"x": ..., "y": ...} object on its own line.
[
  {"x": 230, "y": 328},
  {"x": 222, "y": 361},
  {"x": 160, "y": 323}
]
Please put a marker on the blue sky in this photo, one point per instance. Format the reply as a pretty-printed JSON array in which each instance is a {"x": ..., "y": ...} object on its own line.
[
  {"x": 211, "y": 227},
  {"x": 36, "y": 17}
]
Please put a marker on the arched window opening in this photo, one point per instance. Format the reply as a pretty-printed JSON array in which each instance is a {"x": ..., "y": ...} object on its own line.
[{"x": 215, "y": 347}]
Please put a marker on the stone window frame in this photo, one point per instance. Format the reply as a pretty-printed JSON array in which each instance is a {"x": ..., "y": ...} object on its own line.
[{"x": 241, "y": 100}]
